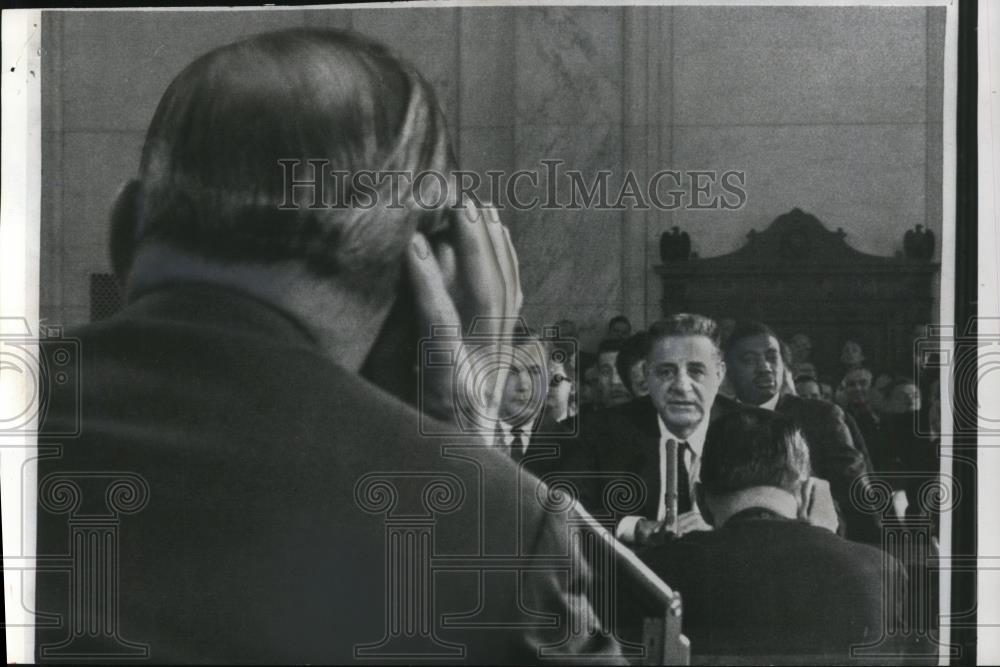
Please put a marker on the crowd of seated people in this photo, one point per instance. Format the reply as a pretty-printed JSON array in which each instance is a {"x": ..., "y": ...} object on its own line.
[{"x": 789, "y": 459}]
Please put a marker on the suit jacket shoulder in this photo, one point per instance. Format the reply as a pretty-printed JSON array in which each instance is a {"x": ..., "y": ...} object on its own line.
[{"x": 776, "y": 587}]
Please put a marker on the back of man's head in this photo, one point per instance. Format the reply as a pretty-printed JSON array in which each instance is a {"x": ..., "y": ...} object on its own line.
[
  {"x": 226, "y": 173},
  {"x": 753, "y": 447}
]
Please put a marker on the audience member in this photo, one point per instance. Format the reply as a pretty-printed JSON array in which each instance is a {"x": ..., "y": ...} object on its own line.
[
  {"x": 755, "y": 365},
  {"x": 801, "y": 349},
  {"x": 857, "y": 393},
  {"x": 851, "y": 356},
  {"x": 806, "y": 386},
  {"x": 901, "y": 395},
  {"x": 826, "y": 391},
  {"x": 879, "y": 393},
  {"x": 631, "y": 365},
  {"x": 561, "y": 399},
  {"x": 611, "y": 389},
  {"x": 619, "y": 327},
  {"x": 906, "y": 446},
  {"x": 772, "y": 580},
  {"x": 524, "y": 398}
]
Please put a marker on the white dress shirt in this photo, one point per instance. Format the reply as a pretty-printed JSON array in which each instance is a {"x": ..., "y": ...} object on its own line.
[
  {"x": 508, "y": 437},
  {"x": 772, "y": 403},
  {"x": 692, "y": 459}
]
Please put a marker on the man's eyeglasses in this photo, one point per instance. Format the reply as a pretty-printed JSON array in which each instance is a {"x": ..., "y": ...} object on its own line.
[{"x": 558, "y": 380}]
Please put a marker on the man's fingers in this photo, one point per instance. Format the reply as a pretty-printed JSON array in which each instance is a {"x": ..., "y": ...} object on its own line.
[
  {"x": 429, "y": 288},
  {"x": 477, "y": 261},
  {"x": 448, "y": 263},
  {"x": 517, "y": 270},
  {"x": 510, "y": 288}
]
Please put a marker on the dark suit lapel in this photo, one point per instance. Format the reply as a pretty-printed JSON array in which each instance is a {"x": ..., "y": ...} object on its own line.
[{"x": 646, "y": 461}]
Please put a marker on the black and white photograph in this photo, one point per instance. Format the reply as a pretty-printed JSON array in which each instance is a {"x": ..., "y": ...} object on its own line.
[{"x": 499, "y": 333}]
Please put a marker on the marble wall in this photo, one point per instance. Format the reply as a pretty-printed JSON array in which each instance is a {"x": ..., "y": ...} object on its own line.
[{"x": 834, "y": 110}]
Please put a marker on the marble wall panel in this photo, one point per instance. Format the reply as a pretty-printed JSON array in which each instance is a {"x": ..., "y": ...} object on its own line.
[
  {"x": 868, "y": 179},
  {"x": 789, "y": 65},
  {"x": 568, "y": 64}
]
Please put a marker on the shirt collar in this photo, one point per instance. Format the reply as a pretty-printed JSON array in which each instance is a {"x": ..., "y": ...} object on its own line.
[
  {"x": 772, "y": 403},
  {"x": 696, "y": 441},
  {"x": 526, "y": 429}
]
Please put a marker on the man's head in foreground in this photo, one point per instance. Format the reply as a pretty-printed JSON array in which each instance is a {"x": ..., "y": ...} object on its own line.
[
  {"x": 753, "y": 458},
  {"x": 237, "y": 184},
  {"x": 684, "y": 369}
]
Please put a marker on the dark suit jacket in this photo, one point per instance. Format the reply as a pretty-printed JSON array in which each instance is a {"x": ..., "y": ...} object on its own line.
[
  {"x": 770, "y": 586},
  {"x": 548, "y": 446},
  {"x": 274, "y": 480},
  {"x": 620, "y": 448}
]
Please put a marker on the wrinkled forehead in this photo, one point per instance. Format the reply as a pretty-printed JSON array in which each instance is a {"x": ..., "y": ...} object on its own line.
[{"x": 680, "y": 350}]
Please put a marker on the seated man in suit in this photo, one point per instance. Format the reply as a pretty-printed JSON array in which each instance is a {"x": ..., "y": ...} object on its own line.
[
  {"x": 756, "y": 369},
  {"x": 773, "y": 580},
  {"x": 684, "y": 369},
  {"x": 253, "y": 473},
  {"x": 526, "y": 417}
]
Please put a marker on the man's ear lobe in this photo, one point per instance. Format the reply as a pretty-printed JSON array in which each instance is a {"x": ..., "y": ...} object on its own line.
[{"x": 124, "y": 229}]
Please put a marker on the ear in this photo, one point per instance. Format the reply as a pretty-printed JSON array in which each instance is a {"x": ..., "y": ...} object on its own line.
[
  {"x": 702, "y": 499},
  {"x": 722, "y": 370},
  {"x": 124, "y": 229}
]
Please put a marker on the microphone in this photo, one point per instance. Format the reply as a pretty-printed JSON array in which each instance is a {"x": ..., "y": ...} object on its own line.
[{"x": 670, "y": 498}]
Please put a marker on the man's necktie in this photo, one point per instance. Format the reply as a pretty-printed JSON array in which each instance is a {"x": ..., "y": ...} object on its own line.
[
  {"x": 683, "y": 481},
  {"x": 516, "y": 446}
]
